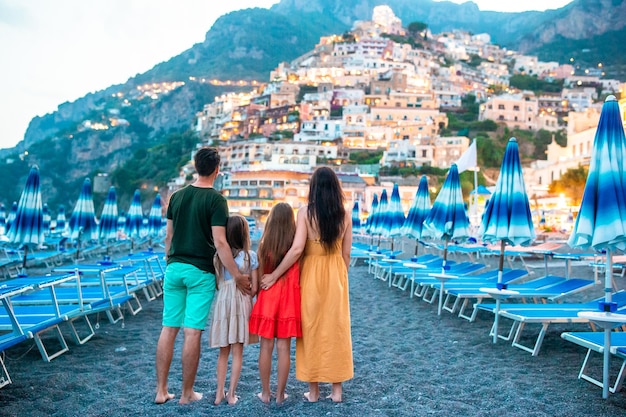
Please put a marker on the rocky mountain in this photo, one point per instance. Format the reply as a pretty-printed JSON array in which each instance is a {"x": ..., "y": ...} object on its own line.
[{"x": 248, "y": 44}]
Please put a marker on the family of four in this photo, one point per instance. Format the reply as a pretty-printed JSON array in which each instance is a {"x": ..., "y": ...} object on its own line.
[{"x": 299, "y": 278}]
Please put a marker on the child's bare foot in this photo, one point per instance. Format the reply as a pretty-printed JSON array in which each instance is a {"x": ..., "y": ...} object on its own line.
[
  {"x": 311, "y": 398},
  {"x": 280, "y": 400},
  {"x": 232, "y": 399},
  {"x": 264, "y": 397},
  {"x": 163, "y": 398},
  {"x": 219, "y": 397},
  {"x": 195, "y": 396},
  {"x": 335, "y": 397}
]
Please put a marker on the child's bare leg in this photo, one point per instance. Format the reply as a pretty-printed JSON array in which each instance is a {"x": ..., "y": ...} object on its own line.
[
  {"x": 265, "y": 368},
  {"x": 283, "y": 348},
  {"x": 314, "y": 392},
  {"x": 336, "y": 393},
  {"x": 235, "y": 371},
  {"x": 222, "y": 367}
]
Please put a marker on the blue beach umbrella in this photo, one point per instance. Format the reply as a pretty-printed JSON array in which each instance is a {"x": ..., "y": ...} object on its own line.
[
  {"x": 121, "y": 222},
  {"x": 61, "y": 220},
  {"x": 83, "y": 220},
  {"x": 447, "y": 220},
  {"x": 11, "y": 216},
  {"x": 134, "y": 219},
  {"x": 356, "y": 218},
  {"x": 394, "y": 219},
  {"x": 27, "y": 227},
  {"x": 414, "y": 223},
  {"x": 381, "y": 213},
  {"x": 47, "y": 218},
  {"x": 371, "y": 218},
  {"x": 507, "y": 217},
  {"x": 601, "y": 220},
  {"x": 155, "y": 217},
  {"x": 3, "y": 218},
  {"x": 108, "y": 218}
]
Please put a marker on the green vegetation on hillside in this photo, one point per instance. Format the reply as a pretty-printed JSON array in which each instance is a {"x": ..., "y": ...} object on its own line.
[{"x": 534, "y": 84}]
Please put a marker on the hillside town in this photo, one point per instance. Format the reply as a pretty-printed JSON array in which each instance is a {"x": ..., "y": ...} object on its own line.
[{"x": 368, "y": 90}]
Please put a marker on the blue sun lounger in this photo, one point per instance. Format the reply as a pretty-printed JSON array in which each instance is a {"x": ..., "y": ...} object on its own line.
[{"x": 594, "y": 342}]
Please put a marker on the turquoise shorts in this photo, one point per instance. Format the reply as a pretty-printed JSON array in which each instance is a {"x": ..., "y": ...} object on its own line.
[{"x": 187, "y": 296}]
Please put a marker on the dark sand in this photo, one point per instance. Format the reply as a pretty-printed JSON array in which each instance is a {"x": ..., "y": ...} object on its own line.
[{"x": 408, "y": 362}]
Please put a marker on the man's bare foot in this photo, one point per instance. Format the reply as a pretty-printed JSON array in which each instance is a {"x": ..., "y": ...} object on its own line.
[
  {"x": 232, "y": 399},
  {"x": 264, "y": 398},
  {"x": 162, "y": 399},
  {"x": 335, "y": 397},
  {"x": 195, "y": 396},
  {"x": 311, "y": 398},
  {"x": 280, "y": 400},
  {"x": 219, "y": 397}
]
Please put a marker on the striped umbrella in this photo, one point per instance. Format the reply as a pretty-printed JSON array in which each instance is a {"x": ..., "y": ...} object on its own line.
[
  {"x": 155, "y": 217},
  {"x": 371, "y": 218},
  {"x": 3, "y": 218},
  {"x": 414, "y": 223},
  {"x": 121, "y": 222},
  {"x": 27, "y": 227},
  {"x": 83, "y": 219},
  {"x": 47, "y": 218},
  {"x": 108, "y": 218},
  {"x": 601, "y": 220},
  {"x": 447, "y": 220},
  {"x": 394, "y": 220},
  {"x": 507, "y": 217},
  {"x": 134, "y": 219},
  {"x": 381, "y": 212},
  {"x": 356, "y": 218},
  {"x": 11, "y": 216},
  {"x": 61, "y": 220}
]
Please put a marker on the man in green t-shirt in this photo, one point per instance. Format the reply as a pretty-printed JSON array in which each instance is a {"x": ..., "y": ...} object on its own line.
[{"x": 196, "y": 231}]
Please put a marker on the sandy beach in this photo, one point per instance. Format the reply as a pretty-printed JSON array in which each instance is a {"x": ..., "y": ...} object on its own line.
[{"x": 408, "y": 362}]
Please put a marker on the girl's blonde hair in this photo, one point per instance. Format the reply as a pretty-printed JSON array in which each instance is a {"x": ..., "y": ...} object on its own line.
[
  {"x": 278, "y": 236},
  {"x": 238, "y": 238}
]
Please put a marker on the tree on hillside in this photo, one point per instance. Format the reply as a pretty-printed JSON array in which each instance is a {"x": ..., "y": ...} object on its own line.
[
  {"x": 418, "y": 28},
  {"x": 571, "y": 184}
]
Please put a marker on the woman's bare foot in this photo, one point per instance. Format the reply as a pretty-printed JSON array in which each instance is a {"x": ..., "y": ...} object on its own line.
[
  {"x": 232, "y": 399},
  {"x": 335, "y": 397},
  {"x": 311, "y": 398},
  {"x": 162, "y": 399},
  {"x": 280, "y": 400},
  {"x": 195, "y": 396},
  {"x": 264, "y": 398},
  {"x": 219, "y": 397}
]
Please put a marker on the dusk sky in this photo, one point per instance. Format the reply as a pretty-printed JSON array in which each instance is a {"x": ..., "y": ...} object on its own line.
[{"x": 58, "y": 51}]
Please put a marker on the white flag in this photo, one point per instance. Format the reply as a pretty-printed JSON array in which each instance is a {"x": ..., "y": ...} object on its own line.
[{"x": 468, "y": 161}]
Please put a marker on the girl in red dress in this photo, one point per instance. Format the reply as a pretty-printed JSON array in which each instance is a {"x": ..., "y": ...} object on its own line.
[{"x": 276, "y": 314}]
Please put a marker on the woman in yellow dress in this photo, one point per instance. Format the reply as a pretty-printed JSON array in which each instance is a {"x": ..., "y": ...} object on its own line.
[{"x": 322, "y": 244}]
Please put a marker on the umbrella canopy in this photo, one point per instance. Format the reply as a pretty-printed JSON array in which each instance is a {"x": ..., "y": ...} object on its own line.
[
  {"x": 394, "y": 220},
  {"x": 356, "y": 218},
  {"x": 11, "y": 216},
  {"x": 27, "y": 227},
  {"x": 414, "y": 223},
  {"x": 121, "y": 222},
  {"x": 3, "y": 218},
  {"x": 448, "y": 219},
  {"x": 372, "y": 215},
  {"x": 108, "y": 219},
  {"x": 507, "y": 217},
  {"x": 134, "y": 217},
  {"x": 481, "y": 190},
  {"x": 601, "y": 220},
  {"x": 61, "y": 220},
  {"x": 381, "y": 213},
  {"x": 155, "y": 217},
  {"x": 47, "y": 218},
  {"x": 83, "y": 218}
]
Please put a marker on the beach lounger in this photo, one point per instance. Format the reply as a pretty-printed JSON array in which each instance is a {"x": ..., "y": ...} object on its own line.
[{"x": 594, "y": 342}]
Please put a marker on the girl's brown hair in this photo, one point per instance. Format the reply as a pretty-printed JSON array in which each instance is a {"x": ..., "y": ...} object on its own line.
[
  {"x": 278, "y": 236},
  {"x": 238, "y": 238}
]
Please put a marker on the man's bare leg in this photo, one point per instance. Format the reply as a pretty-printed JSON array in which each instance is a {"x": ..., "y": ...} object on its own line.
[
  {"x": 283, "y": 348},
  {"x": 314, "y": 392},
  {"x": 164, "y": 353},
  {"x": 191, "y": 359}
]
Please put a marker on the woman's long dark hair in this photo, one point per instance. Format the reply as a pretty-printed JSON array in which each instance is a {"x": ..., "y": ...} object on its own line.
[{"x": 326, "y": 210}]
